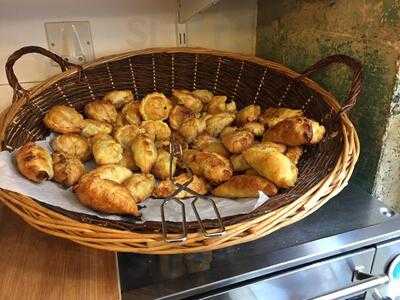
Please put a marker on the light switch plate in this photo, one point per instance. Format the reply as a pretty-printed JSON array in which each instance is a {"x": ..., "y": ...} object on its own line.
[{"x": 71, "y": 40}]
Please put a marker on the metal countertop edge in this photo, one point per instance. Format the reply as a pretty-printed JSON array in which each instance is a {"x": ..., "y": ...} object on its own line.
[{"x": 299, "y": 255}]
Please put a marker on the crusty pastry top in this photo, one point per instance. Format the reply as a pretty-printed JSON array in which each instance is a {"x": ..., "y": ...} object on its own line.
[
  {"x": 63, "y": 119},
  {"x": 34, "y": 162}
]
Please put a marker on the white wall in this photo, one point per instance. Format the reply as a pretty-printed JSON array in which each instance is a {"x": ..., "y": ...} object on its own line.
[
  {"x": 228, "y": 25},
  {"x": 117, "y": 25}
]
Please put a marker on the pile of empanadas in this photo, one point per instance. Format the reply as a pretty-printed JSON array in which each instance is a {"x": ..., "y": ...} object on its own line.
[{"x": 232, "y": 153}]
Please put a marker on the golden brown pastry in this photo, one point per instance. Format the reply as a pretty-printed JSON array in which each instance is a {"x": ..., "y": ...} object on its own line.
[
  {"x": 72, "y": 145},
  {"x": 102, "y": 111},
  {"x": 131, "y": 113},
  {"x": 106, "y": 151},
  {"x": 97, "y": 137},
  {"x": 218, "y": 122},
  {"x": 67, "y": 170},
  {"x": 105, "y": 196},
  {"x": 237, "y": 141},
  {"x": 212, "y": 166},
  {"x": 204, "y": 95},
  {"x": 112, "y": 172},
  {"x": 273, "y": 116},
  {"x": 127, "y": 160},
  {"x": 144, "y": 152},
  {"x": 245, "y": 186},
  {"x": 208, "y": 143},
  {"x": 141, "y": 186},
  {"x": 239, "y": 163},
  {"x": 179, "y": 114},
  {"x": 202, "y": 140},
  {"x": 93, "y": 127},
  {"x": 119, "y": 97},
  {"x": 159, "y": 129},
  {"x": 165, "y": 188},
  {"x": 295, "y": 132},
  {"x": 192, "y": 127},
  {"x": 294, "y": 153},
  {"x": 248, "y": 114},
  {"x": 161, "y": 168},
  {"x": 255, "y": 128},
  {"x": 268, "y": 145},
  {"x": 216, "y": 147},
  {"x": 155, "y": 106},
  {"x": 228, "y": 129},
  {"x": 272, "y": 165},
  {"x": 218, "y": 105},
  {"x": 190, "y": 159},
  {"x": 126, "y": 134},
  {"x": 34, "y": 162},
  {"x": 162, "y": 144},
  {"x": 63, "y": 119},
  {"x": 187, "y": 99}
]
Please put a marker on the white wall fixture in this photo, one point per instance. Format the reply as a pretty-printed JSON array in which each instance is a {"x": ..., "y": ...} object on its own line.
[{"x": 71, "y": 40}]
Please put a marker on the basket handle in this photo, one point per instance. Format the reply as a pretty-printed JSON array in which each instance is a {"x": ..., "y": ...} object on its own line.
[
  {"x": 353, "y": 64},
  {"x": 12, "y": 79}
]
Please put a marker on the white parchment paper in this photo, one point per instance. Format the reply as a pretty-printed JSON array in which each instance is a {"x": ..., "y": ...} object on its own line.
[{"x": 55, "y": 195}]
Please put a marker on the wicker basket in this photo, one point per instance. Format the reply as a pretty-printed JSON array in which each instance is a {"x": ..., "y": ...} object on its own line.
[{"x": 324, "y": 170}]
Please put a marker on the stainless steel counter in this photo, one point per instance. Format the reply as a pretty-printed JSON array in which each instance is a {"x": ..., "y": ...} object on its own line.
[{"x": 350, "y": 221}]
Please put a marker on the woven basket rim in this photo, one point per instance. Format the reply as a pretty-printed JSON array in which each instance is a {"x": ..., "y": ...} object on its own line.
[{"x": 346, "y": 128}]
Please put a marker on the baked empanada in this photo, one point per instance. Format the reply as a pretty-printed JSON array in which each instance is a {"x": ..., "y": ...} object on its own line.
[
  {"x": 273, "y": 116},
  {"x": 245, "y": 186},
  {"x": 131, "y": 113},
  {"x": 63, "y": 119},
  {"x": 237, "y": 141},
  {"x": 206, "y": 142},
  {"x": 126, "y": 134},
  {"x": 141, "y": 186},
  {"x": 218, "y": 105},
  {"x": 204, "y": 95},
  {"x": 72, "y": 145},
  {"x": 112, "y": 172},
  {"x": 264, "y": 145},
  {"x": 34, "y": 162},
  {"x": 178, "y": 114},
  {"x": 93, "y": 127},
  {"x": 161, "y": 168},
  {"x": 239, "y": 163},
  {"x": 192, "y": 127},
  {"x": 294, "y": 153},
  {"x": 272, "y": 165},
  {"x": 165, "y": 188},
  {"x": 144, "y": 152},
  {"x": 251, "y": 171},
  {"x": 188, "y": 100},
  {"x": 216, "y": 123},
  {"x": 159, "y": 129},
  {"x": 119, "y": 97},
  {"x": 295, "y": 132},
  {"x": 102, "y": 111},
  {"x": 255, "y": 128},
  {"x": 98, "y": 137},
  {"x": 67, "y": 170},
  {"x": 105, "y": 196},
  {"x": 155, "y": 106},
  {"x": 106, "y": 151},
  {"x": 127, "y": 160},
  {"x": 248, "y": 114},
  {"x": 212, "y": 166}
]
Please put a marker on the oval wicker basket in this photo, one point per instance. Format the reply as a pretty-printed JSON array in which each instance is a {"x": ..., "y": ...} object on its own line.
[{"x": 324, "y": 170}]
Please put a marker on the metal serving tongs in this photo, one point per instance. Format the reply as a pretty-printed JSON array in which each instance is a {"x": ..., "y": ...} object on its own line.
[{"x": 176, "y": 152}]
